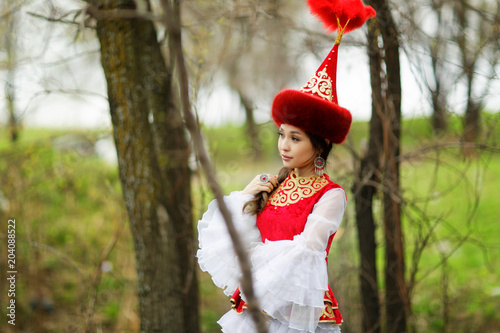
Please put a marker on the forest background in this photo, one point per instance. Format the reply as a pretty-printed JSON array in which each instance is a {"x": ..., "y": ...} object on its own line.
[{"x": 76, "y": 239}]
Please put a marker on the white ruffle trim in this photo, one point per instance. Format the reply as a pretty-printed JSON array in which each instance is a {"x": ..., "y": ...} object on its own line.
[
  {"x": 216, "y": 254},
  {"x": 233, "y": 322},
  {"x": 290, "y": 281}
]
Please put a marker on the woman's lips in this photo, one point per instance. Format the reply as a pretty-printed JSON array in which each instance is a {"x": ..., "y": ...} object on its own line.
[{"x": 286, "y": 158}]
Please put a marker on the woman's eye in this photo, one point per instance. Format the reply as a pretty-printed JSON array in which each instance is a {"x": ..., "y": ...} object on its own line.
[
  {"x": 280, "y": 134},
  {"x": 295, "y": 139}
]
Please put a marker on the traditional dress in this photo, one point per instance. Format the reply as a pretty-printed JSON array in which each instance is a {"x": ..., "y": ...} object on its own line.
[{"x": 288, "y": 244}]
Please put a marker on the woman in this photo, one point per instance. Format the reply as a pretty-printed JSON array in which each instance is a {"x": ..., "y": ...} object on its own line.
[
  {"x": 288, "y": 222},
  {"x": 296, "y": 225}
]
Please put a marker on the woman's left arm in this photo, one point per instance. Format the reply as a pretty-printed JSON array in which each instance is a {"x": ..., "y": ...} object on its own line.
[
  {"x": 216, "y": 254},
  {"x": 325, "y": 219}
]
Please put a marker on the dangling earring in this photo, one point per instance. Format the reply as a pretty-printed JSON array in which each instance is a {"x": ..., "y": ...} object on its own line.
[{"x": 319, "y": 163}]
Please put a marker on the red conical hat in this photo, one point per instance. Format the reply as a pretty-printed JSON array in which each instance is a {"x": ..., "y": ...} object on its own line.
[{"x": 315, "y": 107}]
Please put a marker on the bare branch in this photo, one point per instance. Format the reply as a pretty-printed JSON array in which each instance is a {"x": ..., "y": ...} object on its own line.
[
  {"x": 71, "y": 58},
  {"x": 59, "y": 20},
  {"x": 62, "y": 256},
  {"x": 111, "y": 14},
  {"x": 420, "y": 152}
]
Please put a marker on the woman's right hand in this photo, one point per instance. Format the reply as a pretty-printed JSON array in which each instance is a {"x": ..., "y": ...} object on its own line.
[{"x": 256, "y": 186}]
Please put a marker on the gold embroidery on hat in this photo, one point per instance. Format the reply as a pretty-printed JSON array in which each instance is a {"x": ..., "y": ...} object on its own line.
[
  {"x": 320, "y": 84},
  {"x": 296, "y": 188}
]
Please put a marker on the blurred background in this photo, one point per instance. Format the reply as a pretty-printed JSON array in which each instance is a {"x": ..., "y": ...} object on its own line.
[{"x": 60, "y": 172}]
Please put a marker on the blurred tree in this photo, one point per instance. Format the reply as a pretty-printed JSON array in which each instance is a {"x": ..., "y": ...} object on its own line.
[
  {"x": 381, "y": 164},
  {"x": 459, "y": 38},
  {"x": 10, "y": 18},
  {"x": 153, "y": 155},
  {"x": 461, "y": 51},
  {"x": 476, "y": 35},
  {"x": 441, "y": 78},
  {"x": 262, "y": 35},
  {"x": 428, "y": 30},
  {"x": 365, "y": 189}
]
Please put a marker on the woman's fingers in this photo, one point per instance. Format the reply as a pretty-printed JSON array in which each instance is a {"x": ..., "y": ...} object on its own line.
[
  {"x": 258, "y": 185},
  {"x": 268, "y": 187},
  {"x": 274, "y": 180}
]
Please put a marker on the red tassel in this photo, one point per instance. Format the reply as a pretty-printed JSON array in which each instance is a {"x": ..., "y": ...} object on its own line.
[{"x": 351, "y": 14}]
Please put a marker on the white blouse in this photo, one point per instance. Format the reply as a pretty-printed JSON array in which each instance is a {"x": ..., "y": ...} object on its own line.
[{"x": 290, "y": 276}]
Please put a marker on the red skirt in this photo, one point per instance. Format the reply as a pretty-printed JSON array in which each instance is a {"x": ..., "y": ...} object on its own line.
[{"x": 330, "y": 313}]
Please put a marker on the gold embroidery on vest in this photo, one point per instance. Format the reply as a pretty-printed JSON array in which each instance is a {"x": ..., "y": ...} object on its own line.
[
  {"x": 327, "y": 314},
  {"x": 296, "y": 188}
]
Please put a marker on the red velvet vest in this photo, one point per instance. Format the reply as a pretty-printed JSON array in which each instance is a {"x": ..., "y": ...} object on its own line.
[
  {"x": 285, "y": 216},
  {"x": 288, "y": 207}
]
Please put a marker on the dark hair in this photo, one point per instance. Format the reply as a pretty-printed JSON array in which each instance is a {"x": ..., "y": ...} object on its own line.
[{"x": 257, "y": 204}]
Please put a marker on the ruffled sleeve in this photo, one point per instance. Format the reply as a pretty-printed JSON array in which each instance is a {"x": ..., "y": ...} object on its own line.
[
  {"x": 291, "y": 275},
  {"x": 216, "y": 254}
]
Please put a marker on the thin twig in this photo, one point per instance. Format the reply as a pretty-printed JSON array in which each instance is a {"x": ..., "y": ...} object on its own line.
[
  {"x": 62, "y": 256},
  {"x": 98, "y": 273},
  {"x": 57, "y": 20}
]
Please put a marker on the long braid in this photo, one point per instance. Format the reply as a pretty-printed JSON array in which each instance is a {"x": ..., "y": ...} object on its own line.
[{"x": 257, "y": 204}]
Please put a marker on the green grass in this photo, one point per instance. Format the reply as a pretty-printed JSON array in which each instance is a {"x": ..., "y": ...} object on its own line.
[
  {"x": 465, "y": 209},
  {"x": 67, "y": 206}
]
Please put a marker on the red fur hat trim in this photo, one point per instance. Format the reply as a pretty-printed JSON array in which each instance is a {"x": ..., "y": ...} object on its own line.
[{"x": 312, "y": 114}]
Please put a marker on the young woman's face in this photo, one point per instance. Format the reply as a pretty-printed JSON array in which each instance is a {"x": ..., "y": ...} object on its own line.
[{"x": 296, "y": 149}]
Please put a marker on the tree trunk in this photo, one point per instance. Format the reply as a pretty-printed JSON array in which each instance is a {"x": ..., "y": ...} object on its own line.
[
  {"x": 438, "y": 49},
  {"x": 396, "y": 297},
  {"x": 438, "y": 95},
  {"x": 472, "y": 122},
  {"x": 472, "y": 112},
  {"x": 469, "y": 58},
  {"x": 152, "y": 158},
  {"x": 252, "y": 129},
  {"x": 367, "y": 248},
  {"x": 11, "y": 48},
  {"x": 439, "y": 114},
  {"x": 364, "y": 193}
]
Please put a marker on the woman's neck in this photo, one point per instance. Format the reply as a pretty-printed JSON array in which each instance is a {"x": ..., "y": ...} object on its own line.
[{"x": 305, "y": 171}]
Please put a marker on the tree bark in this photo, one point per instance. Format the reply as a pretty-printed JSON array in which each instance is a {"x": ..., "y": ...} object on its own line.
[
  {"x": 439, "y": 114},
  {"x": 11, "y": 48},
  {"x": 396, "y": 297},
  {"x": 473, "y": 49},
  {"x": 438, "y": 49},
  {"x": 252, "y": 129},
  {"x": 438, "y": 95},
  {"x": 152, "y": 153},
  {"x": 364, "y": 191}
]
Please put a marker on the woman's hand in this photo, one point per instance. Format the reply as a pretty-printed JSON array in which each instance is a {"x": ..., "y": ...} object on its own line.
[{"x": 256, "y": 186}]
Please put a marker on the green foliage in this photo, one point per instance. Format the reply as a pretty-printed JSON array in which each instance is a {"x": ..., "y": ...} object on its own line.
[
  {"x": 455, "y": 201},
  {"x": 67, "y": 203}
]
